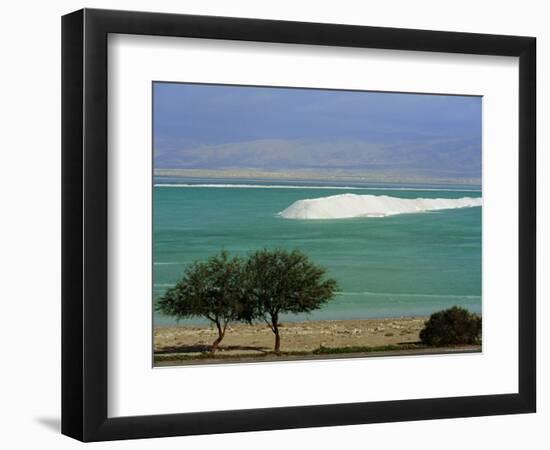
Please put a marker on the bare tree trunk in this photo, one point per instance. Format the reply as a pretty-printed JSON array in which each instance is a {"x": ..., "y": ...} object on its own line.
[
  {"x": 275, "y": 328},
  {"x": 221, "y": 334},
  {"x": 277, "y": 341}
]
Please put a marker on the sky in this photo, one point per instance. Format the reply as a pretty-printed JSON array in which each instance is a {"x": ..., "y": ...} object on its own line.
[{"x": 240, "y": 127}]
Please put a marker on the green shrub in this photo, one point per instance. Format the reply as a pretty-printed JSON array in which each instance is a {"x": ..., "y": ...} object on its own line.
[{"x": 453, "y": 326}]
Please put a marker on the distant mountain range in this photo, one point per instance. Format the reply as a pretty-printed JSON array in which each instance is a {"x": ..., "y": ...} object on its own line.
[
  {"x": 320, "y": 176},
  {"x": 455, "y": 160}
]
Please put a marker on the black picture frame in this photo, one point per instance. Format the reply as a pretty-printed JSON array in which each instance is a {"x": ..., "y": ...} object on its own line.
[{"x": 84, "y": 224}]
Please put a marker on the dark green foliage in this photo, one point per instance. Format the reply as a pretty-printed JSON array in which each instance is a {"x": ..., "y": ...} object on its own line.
[
  {"x": 267, "y": 284},
  {"x": 211, "y": 289},
  {"x": 365, "y": 349},
  {"x": 410, "y": 348},
  {"x": 453, "y": 326},
  {"x": 281, "y": 281}
]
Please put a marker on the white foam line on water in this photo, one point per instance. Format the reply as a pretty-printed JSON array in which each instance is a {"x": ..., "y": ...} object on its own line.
[
  {"x": 348, "y": 206},
  {"x": 282, "y": 186},
  {"x": 369, "y": 293},
  {"x": 391, "y": 294}
]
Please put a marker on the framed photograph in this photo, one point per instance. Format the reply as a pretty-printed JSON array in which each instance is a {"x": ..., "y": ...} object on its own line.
[{"x": 272, "y": 224}]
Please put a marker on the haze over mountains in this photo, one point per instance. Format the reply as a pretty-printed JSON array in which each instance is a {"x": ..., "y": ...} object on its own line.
[{"x": 234, "y": 130}]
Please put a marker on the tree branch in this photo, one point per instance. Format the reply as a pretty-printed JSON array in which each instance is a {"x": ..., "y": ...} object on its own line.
[
  {"x": 268, "y": 324},
  {"x": 209, "y": 317}
]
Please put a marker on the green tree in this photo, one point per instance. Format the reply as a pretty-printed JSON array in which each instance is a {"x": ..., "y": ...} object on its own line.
[
  {"x": 453, "y": 326},
  {"x": 212, "y": 289},
  {"x": 281, "y": 281}
]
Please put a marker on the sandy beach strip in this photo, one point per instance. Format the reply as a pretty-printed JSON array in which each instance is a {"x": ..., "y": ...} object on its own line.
[
  {"x": 295, "y": 336},
  {"x": 299, "y": 340}
]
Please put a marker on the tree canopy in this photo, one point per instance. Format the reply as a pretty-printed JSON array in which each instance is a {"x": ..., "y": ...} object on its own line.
[
  {"x": 281, "y": 281},
  {"x": 268, "y": 283},
  {"x": 212, "y": 289}
]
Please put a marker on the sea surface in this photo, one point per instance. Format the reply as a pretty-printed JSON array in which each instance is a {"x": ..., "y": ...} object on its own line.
[{"x": 400, "y": 265}]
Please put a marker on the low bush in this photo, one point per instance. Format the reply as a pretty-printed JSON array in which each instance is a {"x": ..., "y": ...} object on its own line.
[{"x": 453, "y": 326}]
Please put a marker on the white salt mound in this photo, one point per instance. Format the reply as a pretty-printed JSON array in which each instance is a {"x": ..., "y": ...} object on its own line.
[{"x": 347, "y": 206}]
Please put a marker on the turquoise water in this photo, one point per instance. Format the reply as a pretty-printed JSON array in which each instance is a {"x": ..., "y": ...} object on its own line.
[{"x": 404, "y": 265}]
